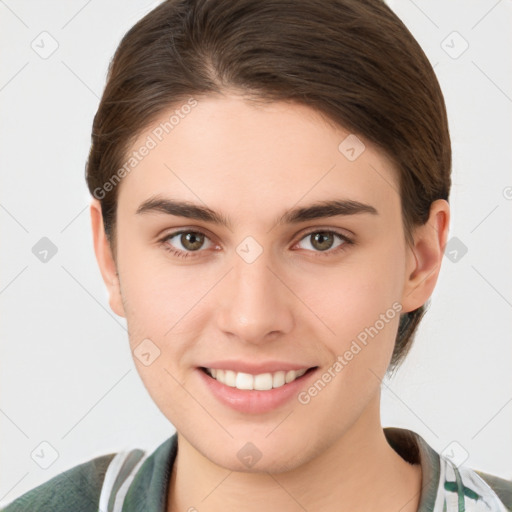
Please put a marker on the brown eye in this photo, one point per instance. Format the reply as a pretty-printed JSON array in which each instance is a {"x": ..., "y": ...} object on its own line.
[
  {"x": 324, "y": 241},
  {"x": 184, "y": 243},
  {"x": 192, "y": 241}
]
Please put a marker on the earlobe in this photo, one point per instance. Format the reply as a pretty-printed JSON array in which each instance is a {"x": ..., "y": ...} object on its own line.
[
  {"x": 424, "y": 258},
  {"x": 106, "y": 263}
]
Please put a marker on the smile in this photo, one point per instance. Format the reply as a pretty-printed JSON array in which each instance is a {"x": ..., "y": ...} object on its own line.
[
  {"x": 252, "y": 393},
  {"x": 260, "y": 382}
]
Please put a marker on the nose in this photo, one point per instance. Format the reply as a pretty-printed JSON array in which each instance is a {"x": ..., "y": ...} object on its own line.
[{"x": 254, "y": 304}]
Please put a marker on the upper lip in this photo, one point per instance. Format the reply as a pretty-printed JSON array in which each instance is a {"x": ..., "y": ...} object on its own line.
[{"x": 255, "y": 368}]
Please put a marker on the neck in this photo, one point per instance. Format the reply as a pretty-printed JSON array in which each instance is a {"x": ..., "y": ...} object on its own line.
[{"x": 360, "y": 471}]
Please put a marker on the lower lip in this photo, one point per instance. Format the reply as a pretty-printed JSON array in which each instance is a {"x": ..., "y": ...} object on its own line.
[{"x": 251, "y": 401}]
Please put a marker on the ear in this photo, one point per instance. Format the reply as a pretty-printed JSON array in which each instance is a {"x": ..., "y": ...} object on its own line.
[
  {"x": 424, "y": 257},
  {"x": 108, "y": 267}
]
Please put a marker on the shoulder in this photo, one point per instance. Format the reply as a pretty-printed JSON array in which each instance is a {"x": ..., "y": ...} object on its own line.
[
  {"x": 132, "y": 477},
  {"x": 448, "y": 486},
  {"x": 483, "y": 491},
  {"x": 501, "y": 486},
  {"x": 78, "y": 488}
]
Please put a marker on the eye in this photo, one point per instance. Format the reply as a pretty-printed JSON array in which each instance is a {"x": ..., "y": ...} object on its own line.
[
  {"x": 187, "y": 242},
  {"x": 324, "y": 241}
]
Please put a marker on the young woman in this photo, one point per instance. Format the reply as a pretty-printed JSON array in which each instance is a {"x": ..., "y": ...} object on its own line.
[{"x": 270, "y": 185}]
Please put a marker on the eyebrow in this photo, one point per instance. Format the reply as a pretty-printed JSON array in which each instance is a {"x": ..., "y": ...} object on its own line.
[{"x": 321, "y": 209}]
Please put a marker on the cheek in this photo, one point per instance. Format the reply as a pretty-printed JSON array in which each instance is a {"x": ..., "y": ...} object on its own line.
[
  {"x": 355, "y": 293},
  {"x": 158, "y": 292},
  {"x": 359, "y": 300},
  {"x": 169, "y": 305},
  {"x": 165, "y": 302}
]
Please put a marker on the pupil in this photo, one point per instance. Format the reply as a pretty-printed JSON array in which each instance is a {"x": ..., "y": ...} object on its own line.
[
  {"x": 191, "y": 241},
  {"x": 322, "y": 237}
]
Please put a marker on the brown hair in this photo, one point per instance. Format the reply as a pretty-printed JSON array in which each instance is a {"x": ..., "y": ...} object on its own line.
[{"x": 352, "y": 60}]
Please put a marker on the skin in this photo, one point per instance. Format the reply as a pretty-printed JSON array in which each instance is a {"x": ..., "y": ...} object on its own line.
[{"x": 252, "y": 162}]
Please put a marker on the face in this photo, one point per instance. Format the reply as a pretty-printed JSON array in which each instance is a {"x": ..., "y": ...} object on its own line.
[{"x": 261, "y": 282}]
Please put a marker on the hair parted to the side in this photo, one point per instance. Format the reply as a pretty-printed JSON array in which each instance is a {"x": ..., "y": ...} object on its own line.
[{"x": 353, "y": 61}]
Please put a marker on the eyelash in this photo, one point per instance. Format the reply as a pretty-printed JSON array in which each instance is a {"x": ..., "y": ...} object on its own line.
[{"x": 187, "y": 254}]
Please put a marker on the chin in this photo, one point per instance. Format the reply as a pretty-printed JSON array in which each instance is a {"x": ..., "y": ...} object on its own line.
[{"x": 256, "y": 454}]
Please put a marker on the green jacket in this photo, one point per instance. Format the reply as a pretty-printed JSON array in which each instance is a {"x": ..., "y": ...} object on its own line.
[{"x": 133, "y": 481}]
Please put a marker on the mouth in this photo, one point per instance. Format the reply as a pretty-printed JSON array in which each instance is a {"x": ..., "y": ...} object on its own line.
[
  {"x": 259, "y": 382},
  {"x": 261, "y": 393}
]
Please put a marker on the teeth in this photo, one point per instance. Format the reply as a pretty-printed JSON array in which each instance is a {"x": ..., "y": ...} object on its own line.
[
  {"x": 230, "y": 378},
  {"x": 260, "y": 382}
]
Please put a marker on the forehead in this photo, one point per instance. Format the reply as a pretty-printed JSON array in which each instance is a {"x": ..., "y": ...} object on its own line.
[{"x": 235, "y": 154}]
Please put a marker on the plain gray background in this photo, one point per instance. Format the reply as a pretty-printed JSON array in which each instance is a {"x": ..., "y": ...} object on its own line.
[{"x": 67, "y": 376}]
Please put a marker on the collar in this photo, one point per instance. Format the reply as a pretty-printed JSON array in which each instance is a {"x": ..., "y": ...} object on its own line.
[
  {"x": 148, "y": 491},
  {"x": 415, "y": 450}
]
